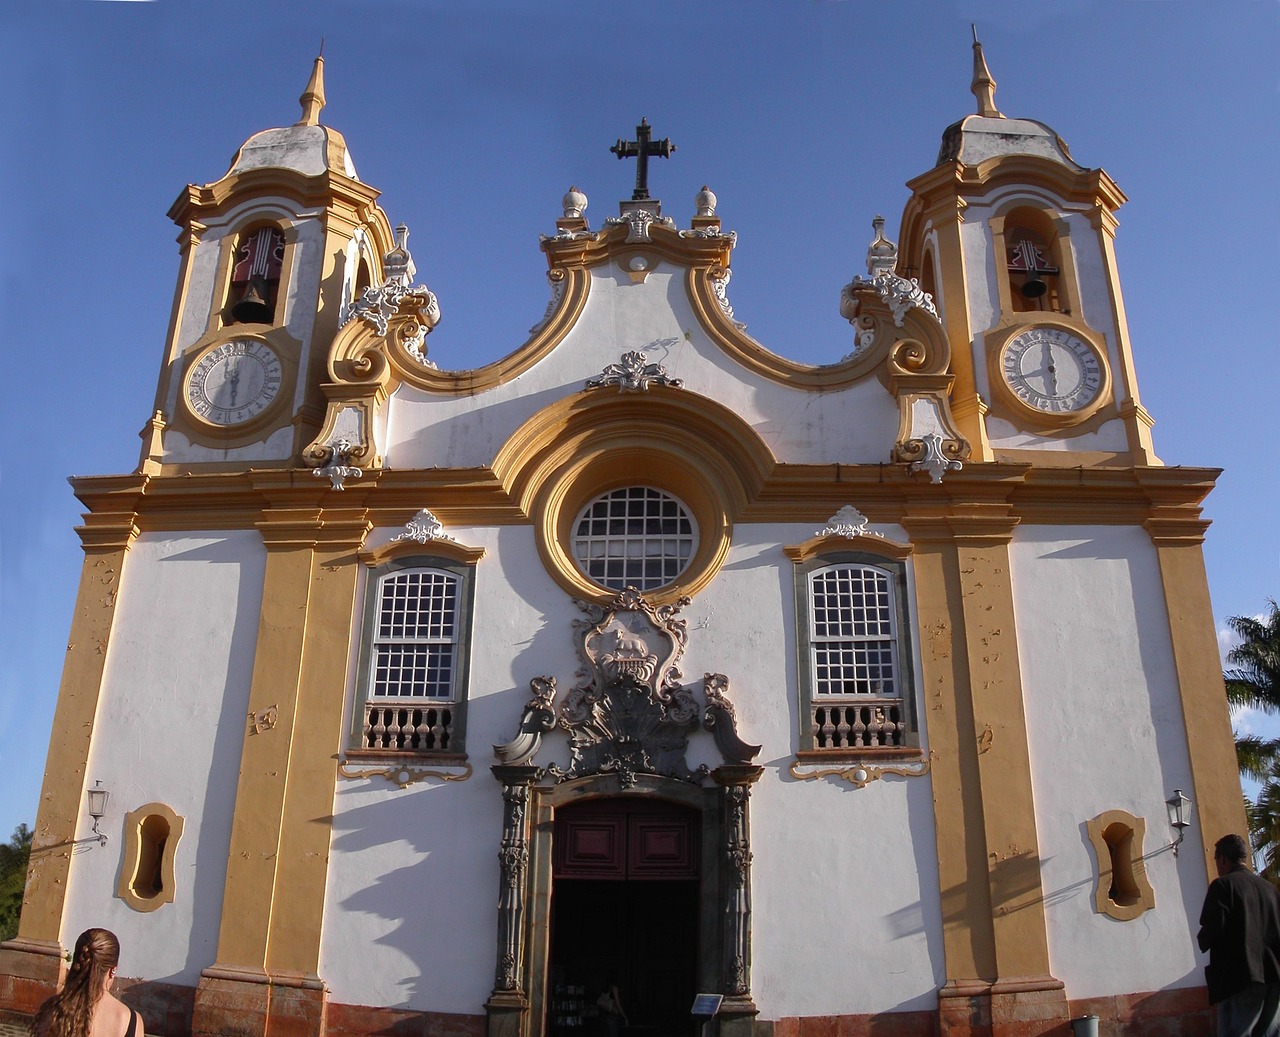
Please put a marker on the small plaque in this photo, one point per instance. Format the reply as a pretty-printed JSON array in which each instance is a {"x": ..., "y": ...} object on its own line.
[{"x": 706, "y": 1005}]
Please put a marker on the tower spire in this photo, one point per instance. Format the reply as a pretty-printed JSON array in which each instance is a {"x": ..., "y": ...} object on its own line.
[
  {"x": 312, "y": 99},
  {"x": 983, "y": 86}
]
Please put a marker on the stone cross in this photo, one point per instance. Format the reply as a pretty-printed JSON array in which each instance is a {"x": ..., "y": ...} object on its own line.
[{"x": 640, "y": 149}]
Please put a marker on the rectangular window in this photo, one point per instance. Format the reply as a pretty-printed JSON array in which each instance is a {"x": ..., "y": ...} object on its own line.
[
  {"x": 414, "y": 658},
  {"x": 855, "y": 675}
]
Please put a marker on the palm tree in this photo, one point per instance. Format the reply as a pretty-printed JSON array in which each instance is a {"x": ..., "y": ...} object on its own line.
[{"x": 1254, "y": 680}]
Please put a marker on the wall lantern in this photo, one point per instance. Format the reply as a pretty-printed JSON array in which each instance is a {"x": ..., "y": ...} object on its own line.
[
  {"x": 1179, "y": 816},
  {"x": 98, "y": 797}
]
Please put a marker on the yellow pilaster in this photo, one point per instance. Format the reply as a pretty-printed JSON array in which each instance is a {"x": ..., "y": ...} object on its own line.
[
  {"x": 995, "y": 934},
  {"x": 967, "y": 406},
  {"x": 1215, "y": 775},
  {"x": 1137, "y": 421}
]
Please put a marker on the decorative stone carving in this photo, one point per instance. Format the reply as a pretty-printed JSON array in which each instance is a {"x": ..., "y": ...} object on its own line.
[
  {"x": 633, "y": 373},
  {"x": 423, "y": 528},
  {"x": 558, "y": 281},
  {"x": 336, "y": 469},
  {"x": 933, "y": 459},
  {"x": 513, "y": 860},
  {"x": 539, "y": 718},
  {"x": 402, "y": 775},
  {"x": 705, "y": 202},
  {"x": 729, "y": 237},
  {"x": 720, "y": 718},
  {"x": 861, "y": 774},
  {"x": 638, "y": 222},
  {"x": 630, "y": 714},
  {"x": 377, "y": 304},
  {"x": 848, "y": 522},
  {"x": 575, "y": 204},
  {"x": 898, "y": 293},
  {"x": 720, "y": 285},
  {"x": 738, "y": 857}
]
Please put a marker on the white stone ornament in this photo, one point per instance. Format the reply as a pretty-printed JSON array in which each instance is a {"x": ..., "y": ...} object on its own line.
[
  {"x": 638, "y": 222},
  {"x": 337, "y": 470},
  {"x": 575, "y": 204},
  {"x": 633, "y": 373},
  {"x": 848, "y": 522},
  {"x": 898, "y": 293},
  {"x": 705, "y": 202},
  {"x": 423, "y": 528},
  {"x": 378, "y": 304},
  {"x": 720, "y": 285},
  {"x": 934, "y": 461}
]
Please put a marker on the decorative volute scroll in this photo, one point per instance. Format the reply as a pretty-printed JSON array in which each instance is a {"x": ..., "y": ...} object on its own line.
[
  {"x": 928, "y": 440},
  {"x": 539, "y": 718},
  {"x": 720, "y": 718}
]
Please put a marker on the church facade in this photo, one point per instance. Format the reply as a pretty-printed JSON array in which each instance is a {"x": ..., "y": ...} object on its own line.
[{"x": 853, "y": 694}]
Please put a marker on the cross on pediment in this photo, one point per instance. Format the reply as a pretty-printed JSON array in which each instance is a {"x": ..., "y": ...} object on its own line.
[{"x": 640, "y": 149}]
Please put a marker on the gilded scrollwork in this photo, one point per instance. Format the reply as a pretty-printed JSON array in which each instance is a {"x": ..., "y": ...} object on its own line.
[{"x": 860, "y": 774}]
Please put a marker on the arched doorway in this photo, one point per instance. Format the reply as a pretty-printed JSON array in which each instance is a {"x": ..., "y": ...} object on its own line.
[{"x": 625, "y": 908}]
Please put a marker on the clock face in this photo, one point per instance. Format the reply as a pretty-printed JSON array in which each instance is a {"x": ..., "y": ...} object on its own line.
[
  {"x": 1052, "y": 370},
  {"x": 234, "y": 382}
]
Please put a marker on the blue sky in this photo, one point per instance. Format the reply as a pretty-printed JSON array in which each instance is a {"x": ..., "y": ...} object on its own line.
[{"x": 805, "y": 118}]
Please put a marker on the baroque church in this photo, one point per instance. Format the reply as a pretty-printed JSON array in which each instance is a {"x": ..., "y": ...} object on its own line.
[{"x": 877, "y": 697}]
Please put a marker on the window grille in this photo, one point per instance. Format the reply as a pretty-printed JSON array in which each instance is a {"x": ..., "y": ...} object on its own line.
[
  {"x": 415, "y": 635},
  {"x": 853, "y": 637},
  {"x": 635, "y": 536}
]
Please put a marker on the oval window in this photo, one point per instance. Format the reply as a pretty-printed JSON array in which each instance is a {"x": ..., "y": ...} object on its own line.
[{"x": 634, "y": 536}]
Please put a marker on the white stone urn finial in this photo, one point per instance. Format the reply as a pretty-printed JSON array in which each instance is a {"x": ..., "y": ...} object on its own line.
[
  {"x": 575, "y": 204},
  {"x": 705, "y": 201}
]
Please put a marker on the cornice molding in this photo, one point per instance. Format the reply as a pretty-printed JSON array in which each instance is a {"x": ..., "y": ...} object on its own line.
[{"x": 980, "y": 500}]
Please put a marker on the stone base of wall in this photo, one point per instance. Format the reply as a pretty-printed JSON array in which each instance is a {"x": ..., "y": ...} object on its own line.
[
  {"x": 1161, "y": 1013},
  {"x": 29, "y": 973},
  {"x": 168, "y": 1010},
  {"x": 361, "y": 1021}
]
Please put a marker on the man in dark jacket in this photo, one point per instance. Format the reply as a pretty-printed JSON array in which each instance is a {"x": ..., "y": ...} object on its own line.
[{"x": 1240, "y": 928}]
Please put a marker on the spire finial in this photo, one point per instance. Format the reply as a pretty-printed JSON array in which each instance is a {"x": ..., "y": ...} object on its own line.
[
  {"x": 983, "y": 86},
  {"x": 312, "y": 99}
]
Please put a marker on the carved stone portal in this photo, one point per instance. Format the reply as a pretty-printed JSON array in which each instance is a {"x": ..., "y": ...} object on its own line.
[{"x": 628, "y": 719}]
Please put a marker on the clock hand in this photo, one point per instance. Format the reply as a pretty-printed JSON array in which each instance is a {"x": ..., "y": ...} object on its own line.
[
  {"x": 1050, "y": 372},
  {"x": 233, "y": 379}
]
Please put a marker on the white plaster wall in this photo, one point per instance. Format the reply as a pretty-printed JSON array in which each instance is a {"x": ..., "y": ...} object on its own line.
[
  {"x": 169, "y": 729},
  {"x": 845, "y": 880},
  {"x": 1105, "y": 731},
  {"x": 857, "y": 424}
]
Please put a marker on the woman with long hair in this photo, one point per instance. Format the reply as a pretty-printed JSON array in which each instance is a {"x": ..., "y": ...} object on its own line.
[{"x": 84, "y": 1007}]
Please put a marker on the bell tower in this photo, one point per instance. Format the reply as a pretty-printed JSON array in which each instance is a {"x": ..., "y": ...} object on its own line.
[
  {"x": 1015, "y": 241},
  {"x": 273, "y": 255}
]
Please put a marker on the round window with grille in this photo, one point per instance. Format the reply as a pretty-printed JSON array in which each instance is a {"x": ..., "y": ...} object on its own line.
[{"x": 634, "y": 536}]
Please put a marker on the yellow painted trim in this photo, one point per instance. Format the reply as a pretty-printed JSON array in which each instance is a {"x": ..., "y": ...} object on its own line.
[
  {"x": 1144, "y": 897},
  {"x": 1005, "y": 402},
  {"x": 1214, "y": 773},
  {"x": 361, "y": 357},
  {"x": 599, "y": 440},
  {"x": 832, "y": 542},
  {"x": 297, "y": 913},
  {"x": 439, "y": 548},
  {"x": 920, "y": 335},
  {"x": 62, "y": 795},
  {"x": 258, "y": 428},
  {"x": 133, "y": 824},
  {"x": 989, "y": 867}
]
